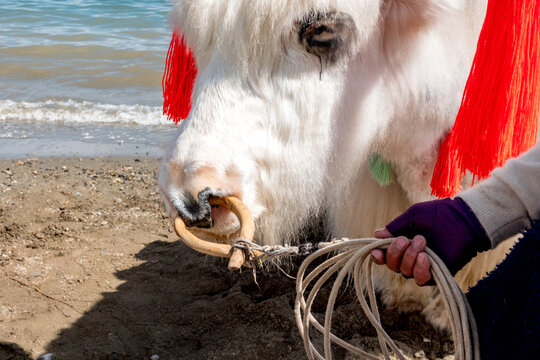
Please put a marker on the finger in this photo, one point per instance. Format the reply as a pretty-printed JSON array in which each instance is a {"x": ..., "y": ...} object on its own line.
[
  {"x": 422, "y": 273},
  {"x": 382, "y": 233},
  {"x": 395, "y": 253},
  {"x": 418, "y": 244},
  {"x": 378, "y": 256}
]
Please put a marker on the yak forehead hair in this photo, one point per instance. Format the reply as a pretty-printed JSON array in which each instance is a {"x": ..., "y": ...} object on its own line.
[
  {"x": 251, "y": 33},
  {"x": 246, "y": 31}
]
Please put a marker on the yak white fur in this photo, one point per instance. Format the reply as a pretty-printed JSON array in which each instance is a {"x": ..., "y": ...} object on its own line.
[{"x": 292, "y": 141}]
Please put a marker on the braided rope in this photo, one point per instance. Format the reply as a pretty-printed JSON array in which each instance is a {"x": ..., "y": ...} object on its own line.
[
  {"x": 354, "y": 257},
  {"x": 272, "y": 251}
]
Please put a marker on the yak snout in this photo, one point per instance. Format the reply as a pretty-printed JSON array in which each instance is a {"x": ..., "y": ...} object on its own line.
[{"x": 188, "y": 186}]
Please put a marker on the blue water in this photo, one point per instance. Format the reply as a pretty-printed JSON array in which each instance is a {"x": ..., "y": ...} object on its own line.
[
  {"x": 90, "y": 62},
  {"x": 101, "y": 50}
]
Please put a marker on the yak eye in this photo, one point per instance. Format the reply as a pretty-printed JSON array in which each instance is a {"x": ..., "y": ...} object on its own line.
[
  {"x": 320, "y": 29},
  {"x": 326, "y": 35}
]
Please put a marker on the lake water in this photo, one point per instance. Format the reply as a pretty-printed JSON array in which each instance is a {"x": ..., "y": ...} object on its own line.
[{"x": 82, "y": 73}]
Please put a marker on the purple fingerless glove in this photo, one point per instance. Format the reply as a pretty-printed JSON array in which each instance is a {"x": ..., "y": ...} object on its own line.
[{"x": 450, "y": 227}]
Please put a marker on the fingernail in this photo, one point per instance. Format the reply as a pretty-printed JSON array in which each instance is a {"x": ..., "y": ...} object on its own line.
[
  {"x": 417, "y": 244},
  {"x": 422, "y": 259},
  {"x": 402, "y": 243}
]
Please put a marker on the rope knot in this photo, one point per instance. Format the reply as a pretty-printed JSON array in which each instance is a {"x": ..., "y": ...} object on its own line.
[
  {"x": 306, "y": 249},
  {"x": 247, "y": 247}
]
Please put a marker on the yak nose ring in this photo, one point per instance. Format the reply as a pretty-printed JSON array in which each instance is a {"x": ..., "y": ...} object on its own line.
[{"x": 247, "y": 230}]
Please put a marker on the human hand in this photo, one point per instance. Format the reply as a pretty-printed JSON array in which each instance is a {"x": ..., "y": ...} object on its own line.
[
  {"x": 407, "y": 257},
  {"x": 448, "y": 226}
]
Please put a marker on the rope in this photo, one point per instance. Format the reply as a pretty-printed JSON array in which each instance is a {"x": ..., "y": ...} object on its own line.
[
  {"x": 273, "y": 251},
  {"x": 354, "y": 257}
]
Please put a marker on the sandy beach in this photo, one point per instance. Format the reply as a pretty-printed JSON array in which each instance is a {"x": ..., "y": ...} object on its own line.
[{"x": 90, "y": 269}]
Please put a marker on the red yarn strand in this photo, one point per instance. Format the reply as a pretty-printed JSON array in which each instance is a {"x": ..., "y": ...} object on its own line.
[
  {"x": 498, "y": 117},
  {"x": 178, "y": 79}
]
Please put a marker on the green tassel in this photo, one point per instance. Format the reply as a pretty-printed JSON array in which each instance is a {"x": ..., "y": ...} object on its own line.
[{"x": 381, "y": 170}]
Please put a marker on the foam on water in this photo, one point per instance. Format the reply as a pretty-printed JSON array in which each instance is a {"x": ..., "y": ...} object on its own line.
[{"x": 70, "y": 111}]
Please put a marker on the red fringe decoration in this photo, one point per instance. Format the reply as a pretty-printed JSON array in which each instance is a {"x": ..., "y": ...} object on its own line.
[
  {"x": 498, "y": 118},
  {"x": 178, "y": 79}
]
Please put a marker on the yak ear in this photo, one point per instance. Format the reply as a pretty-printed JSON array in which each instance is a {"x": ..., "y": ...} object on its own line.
[
  {"x": 406, "y": 14},
  {"x": 328, "y": 36}
]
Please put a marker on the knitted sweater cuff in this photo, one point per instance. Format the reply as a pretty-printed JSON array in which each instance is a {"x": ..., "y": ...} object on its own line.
[{"x": 498, "y": 208}]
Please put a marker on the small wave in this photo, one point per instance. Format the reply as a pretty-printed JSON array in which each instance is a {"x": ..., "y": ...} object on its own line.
[
  {"x": 12, "y": 134},
  {"x": 71, "y": 111},
  {"x": 8, "y": 135}
]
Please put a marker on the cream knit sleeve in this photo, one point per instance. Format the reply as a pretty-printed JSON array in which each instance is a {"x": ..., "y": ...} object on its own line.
[{"x": 509, "y": 200}]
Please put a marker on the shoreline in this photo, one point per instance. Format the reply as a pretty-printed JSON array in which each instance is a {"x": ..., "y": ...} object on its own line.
[
  {"x": 68, "y": 159},
  {"x": 89, "y": 140}
]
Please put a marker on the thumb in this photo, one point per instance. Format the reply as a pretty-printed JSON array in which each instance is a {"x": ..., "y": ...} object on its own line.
[{"x": 382, "y": 233}]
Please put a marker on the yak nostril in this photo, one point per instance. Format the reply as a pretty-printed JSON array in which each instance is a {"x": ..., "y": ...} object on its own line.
[{"x": 196, "y": 213}]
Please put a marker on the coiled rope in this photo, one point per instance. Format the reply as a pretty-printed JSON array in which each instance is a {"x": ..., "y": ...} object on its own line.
[{"x": 354, "y": 258}]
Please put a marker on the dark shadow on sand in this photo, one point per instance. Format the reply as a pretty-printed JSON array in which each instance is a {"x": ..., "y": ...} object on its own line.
[
  {"x": 11, "y": 351},
  {"x": 182, "y": 305}
]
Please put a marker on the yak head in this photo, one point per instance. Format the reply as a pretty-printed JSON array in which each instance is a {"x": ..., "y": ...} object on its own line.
[{"x": 283, "y": 104}]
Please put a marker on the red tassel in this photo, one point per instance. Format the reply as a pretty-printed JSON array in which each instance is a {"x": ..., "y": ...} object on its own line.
[
  {"x": 498, "y": 118},
  {"x": 178, "y": 79}
]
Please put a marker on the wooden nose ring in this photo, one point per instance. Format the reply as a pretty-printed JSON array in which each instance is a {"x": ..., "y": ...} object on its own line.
[{"x": 247, "y": 230}]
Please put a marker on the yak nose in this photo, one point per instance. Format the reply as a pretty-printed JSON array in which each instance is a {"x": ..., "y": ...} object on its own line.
[{"x": 196, "y": 212}]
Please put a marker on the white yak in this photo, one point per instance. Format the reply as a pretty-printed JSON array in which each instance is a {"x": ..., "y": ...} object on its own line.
[{"x": 291, "y": 100}]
